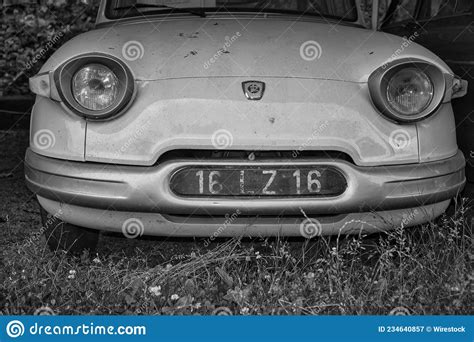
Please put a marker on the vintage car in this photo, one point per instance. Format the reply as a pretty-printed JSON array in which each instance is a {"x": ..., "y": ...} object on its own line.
[
  {"x": 446, "y": 27},
  {"x": 240, "y": 118}
]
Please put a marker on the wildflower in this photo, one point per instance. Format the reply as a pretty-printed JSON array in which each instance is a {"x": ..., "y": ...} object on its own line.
[
  {"x": 258, "y": 255},
  {"x": 96, "y": 260},
  {"x": 174, "y": 297},
  {"x": 155, "y": 290},
  {"x": 72, "y": 274},
  {"x": 310, "y": 275},
  {"x": 275, "y": 288}
]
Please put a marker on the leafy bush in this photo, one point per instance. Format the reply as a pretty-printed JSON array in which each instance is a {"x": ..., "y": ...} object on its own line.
[{"x": 32, "y": 31}]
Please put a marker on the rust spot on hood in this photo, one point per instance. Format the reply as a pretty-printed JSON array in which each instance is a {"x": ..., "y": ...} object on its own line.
[
  {"x": 191, "y": 53},
  {"x": 189, "y": 35}
]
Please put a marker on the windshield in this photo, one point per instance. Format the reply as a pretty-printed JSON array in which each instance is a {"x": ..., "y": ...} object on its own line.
[{"x": 337, "y": 9}]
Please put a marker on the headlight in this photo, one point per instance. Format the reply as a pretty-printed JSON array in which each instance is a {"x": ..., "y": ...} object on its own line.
[
  {"x": 95, "y": 86},
  {"x": 407, "y": 90}
]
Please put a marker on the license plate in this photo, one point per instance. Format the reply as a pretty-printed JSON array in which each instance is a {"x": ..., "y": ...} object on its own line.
[{"x": 258, "y": 181}]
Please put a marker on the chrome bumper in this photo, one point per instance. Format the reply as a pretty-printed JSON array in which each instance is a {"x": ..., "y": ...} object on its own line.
[{"x": 146, "y": 189}]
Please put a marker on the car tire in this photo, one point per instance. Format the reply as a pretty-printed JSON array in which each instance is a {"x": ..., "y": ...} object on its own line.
[{"x": 67, "y": 237}]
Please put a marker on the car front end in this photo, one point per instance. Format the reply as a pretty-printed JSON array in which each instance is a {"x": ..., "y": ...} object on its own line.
[{"x": 243, "y": 124}]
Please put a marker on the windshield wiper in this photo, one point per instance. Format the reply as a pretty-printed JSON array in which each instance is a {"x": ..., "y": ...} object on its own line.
[{"x": 201, "y": 14}]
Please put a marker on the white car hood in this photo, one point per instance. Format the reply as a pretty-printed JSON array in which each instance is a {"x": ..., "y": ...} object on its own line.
[{"x": 206, "y": 47}]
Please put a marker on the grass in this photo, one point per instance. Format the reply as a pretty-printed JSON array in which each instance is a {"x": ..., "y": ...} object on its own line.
[{"x": 425, "y": 270}]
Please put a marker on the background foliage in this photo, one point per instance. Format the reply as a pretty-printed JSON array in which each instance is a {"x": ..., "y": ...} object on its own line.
[{"x": 37, "y": 28}]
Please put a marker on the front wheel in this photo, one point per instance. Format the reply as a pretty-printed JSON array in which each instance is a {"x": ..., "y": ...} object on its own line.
[{"x": 67, "y": 237}]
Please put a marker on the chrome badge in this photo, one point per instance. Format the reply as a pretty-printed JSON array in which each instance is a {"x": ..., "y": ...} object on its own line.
[{"x": 253, "y": 90}]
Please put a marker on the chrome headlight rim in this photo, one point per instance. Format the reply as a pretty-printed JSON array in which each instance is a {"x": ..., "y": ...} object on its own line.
[
  {"x": 63, "y": 78},
  {"x": 379, "y": 81}
]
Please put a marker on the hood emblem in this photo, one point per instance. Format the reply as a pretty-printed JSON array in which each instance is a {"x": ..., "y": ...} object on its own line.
[{"x": 253, "y": 90}]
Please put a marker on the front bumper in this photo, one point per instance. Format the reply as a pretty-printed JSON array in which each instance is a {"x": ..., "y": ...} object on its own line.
[{"x": 138, "y": 189}]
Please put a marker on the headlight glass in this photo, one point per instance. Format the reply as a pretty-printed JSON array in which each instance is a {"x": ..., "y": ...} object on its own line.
[
  {"x": 410, "y": 91},
  {"x": 95, "y": 87}
]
